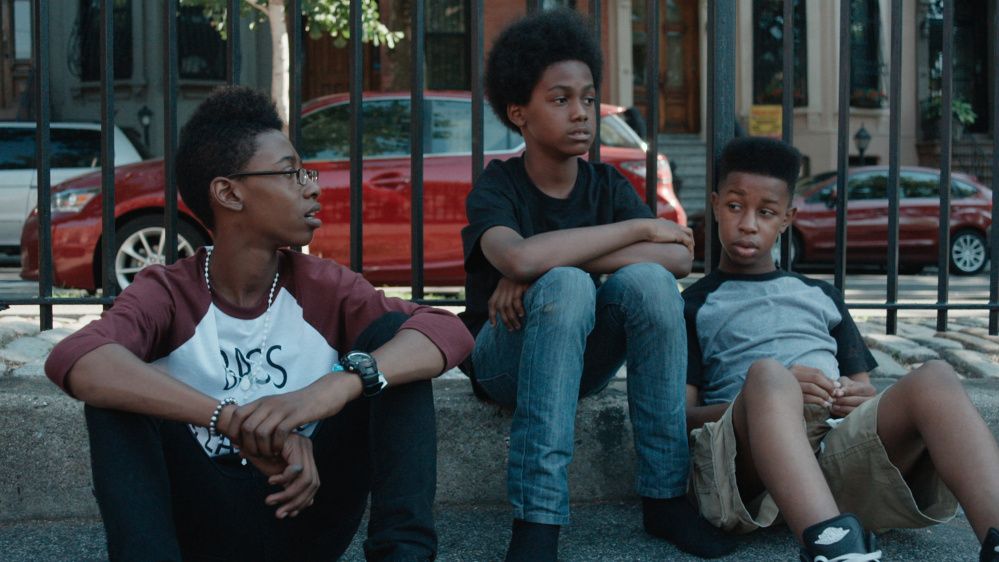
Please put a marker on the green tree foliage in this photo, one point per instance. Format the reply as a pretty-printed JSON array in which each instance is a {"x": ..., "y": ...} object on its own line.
[{"x": 323, "y": 16}]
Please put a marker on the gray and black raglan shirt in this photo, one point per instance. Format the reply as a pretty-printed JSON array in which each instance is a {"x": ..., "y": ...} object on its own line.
[{"x": 734, "y": 320}]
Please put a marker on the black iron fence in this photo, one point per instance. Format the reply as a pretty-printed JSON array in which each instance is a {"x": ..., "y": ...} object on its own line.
[{"x": 720, "y": 128}]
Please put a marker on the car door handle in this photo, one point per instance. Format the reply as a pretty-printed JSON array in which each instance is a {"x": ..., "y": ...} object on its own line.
[{"x": 392, "y": 181}]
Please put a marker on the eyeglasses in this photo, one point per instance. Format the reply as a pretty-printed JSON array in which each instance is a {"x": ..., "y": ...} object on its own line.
[{"x": 303, "y": 175}]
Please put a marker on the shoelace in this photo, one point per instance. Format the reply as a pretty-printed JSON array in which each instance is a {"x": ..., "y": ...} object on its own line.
[{"x": 853, "y": 557}]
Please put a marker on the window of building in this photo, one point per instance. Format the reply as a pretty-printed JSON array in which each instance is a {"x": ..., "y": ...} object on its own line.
[
  {"x": 866, "y": 58},
  {"x": 201, "y": 49},
  {"x": 768, "y": 53},
  {"x": 87, "y": 39},
  {"x": 446, "y": 45}
]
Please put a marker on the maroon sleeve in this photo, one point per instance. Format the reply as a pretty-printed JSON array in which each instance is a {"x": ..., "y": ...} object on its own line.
[
  {"x": 347, "y": 304},
  {"x": 152, "y": 317}
]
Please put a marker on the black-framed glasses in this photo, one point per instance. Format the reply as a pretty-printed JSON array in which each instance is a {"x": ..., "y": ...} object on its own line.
[{"x": 303, "y": 175}]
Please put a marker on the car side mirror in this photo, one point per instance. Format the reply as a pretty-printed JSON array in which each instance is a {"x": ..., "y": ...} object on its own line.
[{"x": 830, "y": 198}]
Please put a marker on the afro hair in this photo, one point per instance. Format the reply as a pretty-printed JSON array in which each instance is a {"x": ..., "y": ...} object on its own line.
[
  {"x": 526, "y": 48},
  {"x": 762, "y": 156},
  {"x": 219, "y": 140}
]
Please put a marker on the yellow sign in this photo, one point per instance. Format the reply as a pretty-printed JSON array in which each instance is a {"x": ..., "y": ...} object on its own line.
[{"x": 766, "y": 121}]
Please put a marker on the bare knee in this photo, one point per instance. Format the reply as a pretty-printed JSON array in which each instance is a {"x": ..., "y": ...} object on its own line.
[
  {"x": 768, "y": 379},
  {"x": 933, "y": 383}
]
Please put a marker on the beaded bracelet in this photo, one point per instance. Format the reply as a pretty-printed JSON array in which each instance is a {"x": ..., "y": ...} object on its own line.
[{"x": 212, "y": 430}]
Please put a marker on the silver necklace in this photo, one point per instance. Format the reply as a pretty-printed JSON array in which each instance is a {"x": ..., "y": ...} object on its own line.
[{"x": 251, "y": 380}]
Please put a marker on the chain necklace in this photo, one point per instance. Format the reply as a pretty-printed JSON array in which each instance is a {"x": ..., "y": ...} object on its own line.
[{"x": 252, "y": 379}]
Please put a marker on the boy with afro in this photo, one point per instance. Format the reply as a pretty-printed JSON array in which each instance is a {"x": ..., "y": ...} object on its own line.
[
  {"x": 782, "y": 412},
  {"x": 542, "y": 229},
  {"x": 222, "y": 390}
]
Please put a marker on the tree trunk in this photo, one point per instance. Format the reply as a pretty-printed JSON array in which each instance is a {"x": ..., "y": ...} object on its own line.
[{"x": 280, "y": 58}]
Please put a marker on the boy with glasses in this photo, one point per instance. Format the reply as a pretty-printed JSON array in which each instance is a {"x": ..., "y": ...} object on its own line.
[{"x": 223, "y": 389}]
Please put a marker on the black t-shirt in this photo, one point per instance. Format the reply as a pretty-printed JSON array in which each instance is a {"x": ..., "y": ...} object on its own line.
[{"x": 506, "y": 196}]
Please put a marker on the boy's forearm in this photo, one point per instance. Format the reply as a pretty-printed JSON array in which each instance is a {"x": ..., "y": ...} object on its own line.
[
  {"x": 698, "y": 416},
  {"x": 112, "y": 377},
  {"x": 676, "y": 258},
  {"x": 525, "y": 259}
]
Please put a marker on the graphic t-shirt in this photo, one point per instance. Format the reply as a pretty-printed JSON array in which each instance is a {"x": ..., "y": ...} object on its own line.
[
  {"x": 735, "y": 320},
  {"x": 167, "y": 318}
]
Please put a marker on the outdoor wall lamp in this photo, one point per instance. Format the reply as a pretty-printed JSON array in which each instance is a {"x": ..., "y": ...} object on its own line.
[
  {"x": 863, "y": 140},
  {"x": 145, "y": 119}
]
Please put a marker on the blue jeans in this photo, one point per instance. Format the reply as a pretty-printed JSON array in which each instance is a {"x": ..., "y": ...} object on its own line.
[{"x": 574, "y": 338}]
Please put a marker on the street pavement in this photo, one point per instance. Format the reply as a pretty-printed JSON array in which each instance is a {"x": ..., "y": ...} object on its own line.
[
  {"x": 608, "y": 530},
  {"x": 604, "y": 532}
]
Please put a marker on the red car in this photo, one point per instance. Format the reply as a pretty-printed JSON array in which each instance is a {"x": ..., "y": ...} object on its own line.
[
  {"x": 814, "y": 238},
  {"x": 76, "y": 218}
]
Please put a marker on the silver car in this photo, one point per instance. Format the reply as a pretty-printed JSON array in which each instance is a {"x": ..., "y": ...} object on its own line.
[{"x": 75, "y": 150}]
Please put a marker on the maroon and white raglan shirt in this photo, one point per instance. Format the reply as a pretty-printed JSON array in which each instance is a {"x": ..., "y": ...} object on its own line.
[{"x": 167, "y": 318}]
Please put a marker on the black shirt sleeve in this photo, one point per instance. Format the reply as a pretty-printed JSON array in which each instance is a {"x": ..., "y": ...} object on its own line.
[{"x": 852, "y": 353}]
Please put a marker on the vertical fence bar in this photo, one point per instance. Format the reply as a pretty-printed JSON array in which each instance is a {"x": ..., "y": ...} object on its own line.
[
  {"x": 417, "y": 15},
  {"x": 721, "y": 109},
  {"x": 946, "y": 162},
  {"x": 295, "y": 57},
  {"x": 532, "y": 6},
  {"x": 356, "y": 56},
  {"x": 994, "y": 230},
  {"x": 170, "y": 80},
  {"x": 652, "y": 104},
  {"x": 894, "y": 140},
  {"x": 233, "y": 59},
  {"x": 843, "y": 146},
  {"x": 107, "y": 146},
  {"x": 42, "y": 154},
  {"x": 477, "y": 49},
  {"x": 787, "y": 114},
  {"x": 595, "y": 147}
]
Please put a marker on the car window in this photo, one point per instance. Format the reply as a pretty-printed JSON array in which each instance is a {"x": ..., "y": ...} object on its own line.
[
  {"x": 868, "y": 186},
  {"x": 17, "y": 148},
  {"x": 615, "y": 132},
  {"x": 960, "y": 189},
  {"x": 385, "y": 126},
  {"x": 76, "y": 148},
  {"x": 919, "y": 184},
  {"x": 449, "y": 129},
  {"x": 496, "y": 137},
  {"x": 806, "y": 184}
]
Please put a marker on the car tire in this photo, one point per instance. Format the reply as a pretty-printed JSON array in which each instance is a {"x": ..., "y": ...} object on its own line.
[
  {"x": 137, "y": 246},
  {"x": 968, "y": 252},
  {"x": 795, "y": 250}
]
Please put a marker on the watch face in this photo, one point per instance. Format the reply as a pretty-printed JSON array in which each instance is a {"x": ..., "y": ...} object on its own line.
[{"x": 364, "y": 363}]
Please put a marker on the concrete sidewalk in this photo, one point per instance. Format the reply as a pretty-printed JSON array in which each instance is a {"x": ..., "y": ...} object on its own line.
[{"x": 47, "y": 511}]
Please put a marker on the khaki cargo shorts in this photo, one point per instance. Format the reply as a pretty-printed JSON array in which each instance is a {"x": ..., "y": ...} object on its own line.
[{"x": 853, "y": 460}]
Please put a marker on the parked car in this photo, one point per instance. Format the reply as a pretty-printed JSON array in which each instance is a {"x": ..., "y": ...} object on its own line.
[
  {"x": 325, "y": 146},
  {"x": 75, "y": 149},
  {"x": 814, "y": 233}
]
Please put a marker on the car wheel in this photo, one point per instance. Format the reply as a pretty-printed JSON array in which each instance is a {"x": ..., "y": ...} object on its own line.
[
  {"x": 139, "y": 245},
  {"x": 795, "y": 250},
  {"x": 968, "y": 252}
]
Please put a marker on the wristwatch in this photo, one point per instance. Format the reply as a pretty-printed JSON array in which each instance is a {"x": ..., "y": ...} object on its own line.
[{"x": 364, "y": 366}]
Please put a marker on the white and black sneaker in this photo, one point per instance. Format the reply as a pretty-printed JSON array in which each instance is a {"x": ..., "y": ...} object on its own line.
[
  {"x": 840, "y": 539},
  {"x": 990, "y": 548}
]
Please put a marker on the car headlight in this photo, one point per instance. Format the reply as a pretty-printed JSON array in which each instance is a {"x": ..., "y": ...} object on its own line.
[{"x": 73, "y": 200}]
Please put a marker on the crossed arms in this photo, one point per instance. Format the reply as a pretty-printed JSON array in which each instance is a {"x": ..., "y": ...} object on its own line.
[{"x": 595, "y": 249}]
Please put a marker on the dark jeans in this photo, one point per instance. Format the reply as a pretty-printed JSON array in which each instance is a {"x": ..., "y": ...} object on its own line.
[{"x": 162, "y": 498}]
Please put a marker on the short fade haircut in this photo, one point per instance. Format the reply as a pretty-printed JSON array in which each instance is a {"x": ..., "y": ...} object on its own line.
[
  {"x": 526, "y": 48},
  {"x": 219, "y": 140},
  {"x": 762, "y": 156}
]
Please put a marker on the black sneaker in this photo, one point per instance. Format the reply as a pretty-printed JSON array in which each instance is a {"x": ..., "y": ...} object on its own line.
[
  {"x": 990, "y": 548},
  {"x": 840, "y": 539}
]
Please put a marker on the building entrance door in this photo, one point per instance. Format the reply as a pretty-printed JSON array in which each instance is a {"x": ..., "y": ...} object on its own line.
[
  {"x": 15, "y": 54},
  {"x": 679, "y": 75}
]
